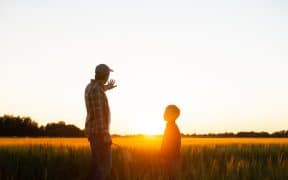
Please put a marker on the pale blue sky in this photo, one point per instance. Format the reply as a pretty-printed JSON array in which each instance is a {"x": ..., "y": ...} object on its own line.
[{"x": 223, "y": 62}]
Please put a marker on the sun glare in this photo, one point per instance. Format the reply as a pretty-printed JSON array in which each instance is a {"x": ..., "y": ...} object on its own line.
[{"x": 149, "y": 129}]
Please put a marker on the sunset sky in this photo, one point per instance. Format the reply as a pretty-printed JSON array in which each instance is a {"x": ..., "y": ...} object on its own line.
[{"x": 224, "y": 63}]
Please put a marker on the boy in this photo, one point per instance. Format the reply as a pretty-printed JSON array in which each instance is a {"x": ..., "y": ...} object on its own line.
[{"x": 171, "y": 142}]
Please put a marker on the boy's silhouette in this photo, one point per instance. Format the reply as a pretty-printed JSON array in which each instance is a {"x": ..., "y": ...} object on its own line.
[{"x": 171, "y": 142}]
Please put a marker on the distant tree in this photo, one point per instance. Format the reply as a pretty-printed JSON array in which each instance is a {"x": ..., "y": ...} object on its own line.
[
  {"x": 18, "y": 126},
  {"x": 253, "y": 134},
  {"x": 60, "y": 129},
  {"x": 282, "y": 133}
]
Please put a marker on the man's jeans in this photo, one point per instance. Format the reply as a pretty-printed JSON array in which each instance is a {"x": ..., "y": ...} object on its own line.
[{"x": 101, "y": 159}]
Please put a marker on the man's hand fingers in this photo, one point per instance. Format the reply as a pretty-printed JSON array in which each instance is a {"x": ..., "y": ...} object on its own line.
[{"x": 113, "y": 86}]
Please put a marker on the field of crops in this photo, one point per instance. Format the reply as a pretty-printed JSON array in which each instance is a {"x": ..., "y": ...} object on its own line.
[{"x": 137, "y": 158}]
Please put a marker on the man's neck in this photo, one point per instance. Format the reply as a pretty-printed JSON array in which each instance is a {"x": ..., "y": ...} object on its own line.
[{"x": 100, "y": 82}]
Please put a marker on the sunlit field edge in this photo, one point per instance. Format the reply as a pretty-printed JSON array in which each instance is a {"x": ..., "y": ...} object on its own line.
[{"x": 146, "y": 141}]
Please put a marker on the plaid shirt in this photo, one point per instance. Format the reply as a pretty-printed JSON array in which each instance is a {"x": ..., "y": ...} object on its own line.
[{"x": 98, "y": 113}]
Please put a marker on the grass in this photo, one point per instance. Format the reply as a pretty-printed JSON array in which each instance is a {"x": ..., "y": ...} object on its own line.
[{"x": 137, "y": 159}]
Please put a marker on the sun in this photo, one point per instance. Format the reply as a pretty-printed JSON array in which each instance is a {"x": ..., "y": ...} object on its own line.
[{"x": 150, "y": 129}]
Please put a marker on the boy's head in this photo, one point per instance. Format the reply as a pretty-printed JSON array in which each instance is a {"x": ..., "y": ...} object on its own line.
[{"x": 171, "y": 113}]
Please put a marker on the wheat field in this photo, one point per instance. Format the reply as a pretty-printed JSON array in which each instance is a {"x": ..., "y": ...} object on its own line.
[{"x": 136, "y": 158}]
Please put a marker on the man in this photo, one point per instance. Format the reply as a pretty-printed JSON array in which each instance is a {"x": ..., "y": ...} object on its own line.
[{"x": 97, "y": 123}]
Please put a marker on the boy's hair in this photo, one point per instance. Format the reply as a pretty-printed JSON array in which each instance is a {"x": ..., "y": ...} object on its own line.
[{"x": 172, "y": 112}]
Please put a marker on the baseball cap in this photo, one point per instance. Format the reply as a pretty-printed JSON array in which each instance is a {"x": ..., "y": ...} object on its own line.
[{"x": 102, "y": 68}]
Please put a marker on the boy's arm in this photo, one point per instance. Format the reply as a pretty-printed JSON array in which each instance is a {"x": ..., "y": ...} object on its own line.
[
  {"x": 164, "y": 143},
  {"x": 178, "y": 142}
]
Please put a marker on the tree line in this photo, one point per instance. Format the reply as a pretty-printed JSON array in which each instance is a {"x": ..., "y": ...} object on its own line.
[
  {"x": 26, "y": 127},
  {"x": 277, "y": 134}
]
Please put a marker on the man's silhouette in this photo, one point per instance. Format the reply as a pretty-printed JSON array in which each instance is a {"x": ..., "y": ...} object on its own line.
[{"x": 97, "y": 123}]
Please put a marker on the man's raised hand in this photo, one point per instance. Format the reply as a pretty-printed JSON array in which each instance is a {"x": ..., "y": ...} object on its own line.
[{"x": 110, "y": 84}]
